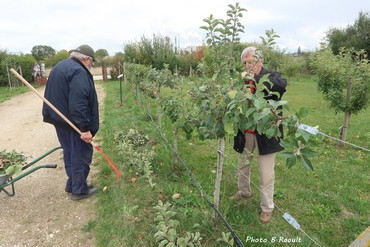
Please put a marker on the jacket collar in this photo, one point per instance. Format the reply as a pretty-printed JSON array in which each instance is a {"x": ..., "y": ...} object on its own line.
[
  {"x": 82, "y": 65},
  {"x": 263, "y": 71}
]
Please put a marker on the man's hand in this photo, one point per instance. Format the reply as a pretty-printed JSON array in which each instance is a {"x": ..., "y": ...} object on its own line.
[
  {"x": 86, "y": 136},
  {"x": 244, "y": 74}
]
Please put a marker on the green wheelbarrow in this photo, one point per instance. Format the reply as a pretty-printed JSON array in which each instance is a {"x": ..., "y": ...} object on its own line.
[{"x": 5, "y": 180}]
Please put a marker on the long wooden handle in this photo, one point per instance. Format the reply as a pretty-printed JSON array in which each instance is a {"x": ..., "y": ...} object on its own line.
[{"x": 47, "y": 102}]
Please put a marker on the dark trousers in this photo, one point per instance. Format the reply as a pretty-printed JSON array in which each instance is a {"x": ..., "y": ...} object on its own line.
[{"x": 77, "y": 156}]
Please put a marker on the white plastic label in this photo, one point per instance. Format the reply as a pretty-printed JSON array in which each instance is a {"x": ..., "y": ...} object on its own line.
[
  {"x": 309, "y": 129},
  {"x": 291, "y": 221}
]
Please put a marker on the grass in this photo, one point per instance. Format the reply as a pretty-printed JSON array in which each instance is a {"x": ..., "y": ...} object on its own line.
[
  {"x": 331, "y": 204},
  {"x": 6, "y": 92}
]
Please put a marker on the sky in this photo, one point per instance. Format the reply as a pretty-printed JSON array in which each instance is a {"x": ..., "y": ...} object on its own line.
[{"x": 110, "y": 24}]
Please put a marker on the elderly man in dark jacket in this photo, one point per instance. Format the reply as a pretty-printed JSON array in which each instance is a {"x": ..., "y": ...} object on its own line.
[
  {"x": 70, "y": 88},
  {"x": 266, "y": 147}
]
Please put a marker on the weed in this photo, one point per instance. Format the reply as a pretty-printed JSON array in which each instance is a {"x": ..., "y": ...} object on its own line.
[{"x": 89, "y": 226}]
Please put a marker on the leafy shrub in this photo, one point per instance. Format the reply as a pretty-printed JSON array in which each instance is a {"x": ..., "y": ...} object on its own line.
[
  {"x": 131, "y": 146},
  {"x": 166, "y": 234}
]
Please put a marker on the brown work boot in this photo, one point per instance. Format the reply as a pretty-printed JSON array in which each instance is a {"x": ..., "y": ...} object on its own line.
[
  {"x": 266, "y": 217},
  {"x": 238, "y": 196}
]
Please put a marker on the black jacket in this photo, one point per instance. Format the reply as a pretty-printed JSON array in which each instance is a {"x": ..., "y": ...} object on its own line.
[
  {"x": 271, "y": 145},
  {"x": 70, "y": 88}
]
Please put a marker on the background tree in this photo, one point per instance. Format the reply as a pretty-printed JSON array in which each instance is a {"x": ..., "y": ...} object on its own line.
[
  {"x": 23, "y": 61},
  {"x": 164, "y": 53},
  {"x": 139, "y": 52},
  {"x": 188, "y": 63},
  {"x": 59, "y": 56},
  {"x": 131, "y": 53},
  {"x": 356, "y": 35},
  {"x": 299, "y": 51},
  {"x": 117, "y": 66},
  {"x": 41, "y": 52},
  {"x": 157, "y": 52},
  {"x": 273, "y": 58},
  {"x": 145, "y": 50},
  {"x": 291, "y": 66},
  {"x": 119, "y": 54},
  {"x": 3, "y": 72},
  {"x": 344, "y": 79},
  {"x": 101, "y": 54}
]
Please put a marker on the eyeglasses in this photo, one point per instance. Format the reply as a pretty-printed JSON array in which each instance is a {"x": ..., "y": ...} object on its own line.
[{"x": 92, "y": 59}]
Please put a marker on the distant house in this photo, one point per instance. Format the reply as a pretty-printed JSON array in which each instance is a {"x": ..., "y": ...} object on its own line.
[{"x": 188, "y": 49}]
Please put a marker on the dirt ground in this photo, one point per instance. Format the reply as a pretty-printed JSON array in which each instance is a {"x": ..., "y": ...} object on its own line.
[{"x": 40, "y": 213}]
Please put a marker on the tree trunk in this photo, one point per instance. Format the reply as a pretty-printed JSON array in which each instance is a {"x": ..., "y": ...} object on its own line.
[
  {"x": 159, "y": 107},
  {"x": 104, "y": 71},
  {"x": 124, "y": 72},
  {"x": 343, "y": 133},
  {"x": 220, "y": 163},
  {"x": 175, "y": 140}
]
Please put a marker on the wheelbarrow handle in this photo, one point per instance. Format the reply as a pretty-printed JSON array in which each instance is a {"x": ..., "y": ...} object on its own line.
[
  {"x": 50, "y": 166},
  {"x": 27, "y": 172}
]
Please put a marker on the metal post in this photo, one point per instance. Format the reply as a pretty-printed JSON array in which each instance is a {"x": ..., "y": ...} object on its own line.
[
  {"x": 9, "y": 81},
  {"x": 120, "y": 86},
  {"x": 347, "y": 114}
]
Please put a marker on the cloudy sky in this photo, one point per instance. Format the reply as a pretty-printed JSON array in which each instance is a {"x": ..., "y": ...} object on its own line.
[{"x": 109, "y": 24}]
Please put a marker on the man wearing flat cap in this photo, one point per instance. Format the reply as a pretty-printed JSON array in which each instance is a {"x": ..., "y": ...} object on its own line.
[{"x": 70, "y": 88}]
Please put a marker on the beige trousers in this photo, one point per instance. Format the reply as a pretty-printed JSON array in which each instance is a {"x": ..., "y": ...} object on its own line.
[{"x": 266, "y": 165}]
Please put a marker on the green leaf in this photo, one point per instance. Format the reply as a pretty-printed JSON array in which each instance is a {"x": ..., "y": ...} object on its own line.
[
  {"x": 203, "y": 88},
  {"x": 304, "y": 134},
  {"x": 220, "y": 129},
  {"x": 163, "y": 243},
  {"x": 308, "y": 152},
  {"x": 160, "y": 235},
  {"x": 305, "y": 162},
  {"x": 204, "y": 27},
  {"x": 171, "y": 235},
  {"x": 286, "y": 144},
  {"x": 276, "y": 104},
  {"x": 170, "y": 214},
  {"x": 271, "y": 132},
  {"x": 290, "y": 162},
  {"x": 303, "y": 112},
  {"x": 10, "y": 170},
  {"x": 287, "y": 155},
  {"x": 248, "y": 112},
  {"x": 210, "y": 121}
]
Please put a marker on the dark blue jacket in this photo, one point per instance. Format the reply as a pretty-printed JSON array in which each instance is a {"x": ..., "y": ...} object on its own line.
[{"x": 70, "y": 88}]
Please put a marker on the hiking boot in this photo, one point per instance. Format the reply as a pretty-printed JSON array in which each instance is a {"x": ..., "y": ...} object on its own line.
[
  {"x": 87, "y": 194},
  {"x": 69, "y": 190},
  {"x": 266, "y": 217},
  {"x": 238, "y": 196}
]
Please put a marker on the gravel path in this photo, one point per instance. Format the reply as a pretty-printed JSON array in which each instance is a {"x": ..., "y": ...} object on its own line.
[{"x": 41, "y": 212}]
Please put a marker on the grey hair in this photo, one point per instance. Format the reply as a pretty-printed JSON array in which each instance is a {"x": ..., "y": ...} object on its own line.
[
  {"x": 78, "y": 55},
  {"x": 251, "y": 49}
]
